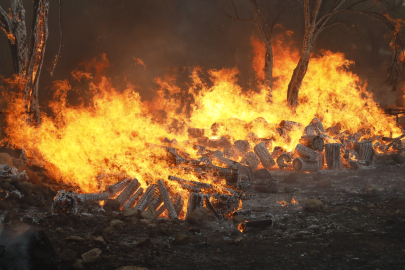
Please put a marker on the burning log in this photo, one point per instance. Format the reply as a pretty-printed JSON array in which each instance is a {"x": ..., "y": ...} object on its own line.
[
  {"x": 230, "y": 175},
  {"x": 365, "y": 151},
  {"x": 66, "y": 202},
  {"x": 394, "y": 141},
  {"x": 194, "y": 133},
  {"x": 147, "y": 197},
  {"x": 284, "y": 160},
  {"x": 283, "y": 134},
  {"x": 306, "y": 165},
  {"x": 351, "y": 154},
  {"x": 195, "y": 200},
  {"x": 306, "y": 152},
  {"x": 264, "y": 155},
  {"x": 92, "y": 197},
  {"x": 178, "y": 204},
  {"x": 251, "y": 160},
  {"x": 242, "y": 146},
  {"x": 229, "y": 152},
  {"x": 332, "y": 154},
  {"x": 321, "y": 160},
  {"x": 157, "y": 200},
  {"x": 311, "y": 130},
  {"x": 318, "y": 124},
  {"x": 190, "y": 188},
  {"x": 335, "y": 130},
  {"x": 166, "y": 199},
  {"x": 130, "y": 203},
  {"x": 213, "y": 211},
  {"x": 313, "y": 142},
  {"x": 227, "y": 162},
  {"x": 290, "y": 125},
  {"x": 189, "y": 182},
  {"x": 128, "y": 191},
  {"x": 119, "y": 186}
]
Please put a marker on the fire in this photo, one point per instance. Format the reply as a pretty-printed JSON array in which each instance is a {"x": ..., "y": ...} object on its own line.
[
  {"x": 116, "y": 132},
  {"x": 241, "y": 227},
  {"x": 283, "y": 203},
  {"x": 294, "y": 201}
]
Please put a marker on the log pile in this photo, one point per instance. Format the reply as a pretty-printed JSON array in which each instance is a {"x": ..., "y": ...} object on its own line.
[{"x": 224, "y": 169}]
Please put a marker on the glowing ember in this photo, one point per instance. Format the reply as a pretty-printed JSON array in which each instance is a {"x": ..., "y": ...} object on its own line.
[
  {"x": 283, "y": 203},
  {"x": 241, "y": 227}
]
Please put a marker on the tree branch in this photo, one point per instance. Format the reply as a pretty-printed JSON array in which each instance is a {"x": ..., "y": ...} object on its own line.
[{"x": 60, "y": 42}]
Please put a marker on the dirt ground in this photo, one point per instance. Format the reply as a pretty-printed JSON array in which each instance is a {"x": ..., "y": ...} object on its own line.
[{"x": 361, "y": 225}]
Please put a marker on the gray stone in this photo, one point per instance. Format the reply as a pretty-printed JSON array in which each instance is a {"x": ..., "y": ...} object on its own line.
[{"x": 91, "y": 255}]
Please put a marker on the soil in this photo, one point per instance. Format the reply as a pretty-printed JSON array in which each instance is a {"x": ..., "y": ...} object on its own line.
[{"x": 360, "y": 226}]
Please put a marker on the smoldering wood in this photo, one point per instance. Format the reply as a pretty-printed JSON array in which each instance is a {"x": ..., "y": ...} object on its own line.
[
  {"x": 128, "y": 191},
  {"x": 189, "y": 182},
  {"x": 306, "y": 165},
  {"x": 213, "y": 211},
  {"x": 166, "y": 199},
  {"x": 251, "y": 160},
  {"x": 318, "y": 124},
  {"x": 195, "y": 200},
  {"x": 264, "y": 155},
  {"x": 226, "y": 162},
  {"x": 146, "y": 198},
  {"x": 130, "y": 203},
  {"x": 230, "y": 175},
  {"x": 119, "y": 186},
  {"x": 306, "y": 152},
  {"x": 351, "y": 154},
  {"x": 284, "y": 161},
  {"x": 332, "y": 155},
  {"x": 290, "y": 125},
  {"x": 313, "y": 142},
  {"x": 327, "y": 138},
  {"x": 92, "y": 197},
  {"x": 365, "y": 151}
]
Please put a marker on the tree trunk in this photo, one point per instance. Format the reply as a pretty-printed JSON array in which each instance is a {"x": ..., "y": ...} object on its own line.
[
  {"x": 296, "y": 81},
  {"x": 268, "y": 64},
  {"x": 27, "y": 60}
]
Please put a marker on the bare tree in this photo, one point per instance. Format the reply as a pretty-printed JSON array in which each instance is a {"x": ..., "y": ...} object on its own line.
[
  {"x": 27, "y": 56},
  {"x": 316, "y": 22},
  {"x": 265, "y": 32}
]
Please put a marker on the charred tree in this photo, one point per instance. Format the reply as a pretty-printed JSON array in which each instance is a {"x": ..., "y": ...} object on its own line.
[{"x": 27, "y": 56}]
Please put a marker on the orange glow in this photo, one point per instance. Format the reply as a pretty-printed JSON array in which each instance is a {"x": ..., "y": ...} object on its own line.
[
  {"x": 241, "y": 227},
  {"x": 283, "y": 203},
  {"x": 294, "y": 201}
]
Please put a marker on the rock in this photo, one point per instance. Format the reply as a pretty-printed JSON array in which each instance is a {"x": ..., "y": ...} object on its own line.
[
  {"x": 73, "y": 238},
  {"x": 143, "y": 242},
  {"x": 59, "y": 230},
  {"x": 324, "y": 183},
  {"x": 19, "y": 164},
  {"x": 116, "y": 222},
  {"x": 334, "y": 209},
  {"x": 92, "y": 255},
  {"x": 131, "y": 268},
  {"x": 262, "y": 174},
  {"x": 238, "y": 240},
  {"x": 291, "y": 178},
  {"x": 130, "y": 211},
  {"x": 149, "y": 214},
  {"x": 78, "y": 264},
  {"x": 198, "y": 216},
  {"x": 67, "y": 255},
  {"x": 372, "y": 191},
  {"x": 289, "y": 189},
  {"x": 238, "y": 219},
  {"x": 218, "y": 251},
  {"x": 312, "y": 205},
  {"x": 99, "y": 239},
  {"x": 181, "y": 239},
  {"x": 113, "y": 204},
  {"x": 6, "y": 159}
]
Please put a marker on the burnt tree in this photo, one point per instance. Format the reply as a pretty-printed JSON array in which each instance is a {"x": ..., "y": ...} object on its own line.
[
  {"x": 317, "y": 20},
  {"x": 27, "y": 55}
]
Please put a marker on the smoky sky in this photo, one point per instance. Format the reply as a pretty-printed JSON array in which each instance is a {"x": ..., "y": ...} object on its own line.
[{"x": 175, "y": 34}]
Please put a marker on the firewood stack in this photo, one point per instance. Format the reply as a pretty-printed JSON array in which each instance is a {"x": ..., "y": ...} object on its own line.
[{"x": 221, "y": 161}]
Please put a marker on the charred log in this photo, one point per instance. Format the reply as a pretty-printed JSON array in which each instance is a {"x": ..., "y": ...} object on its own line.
[
  {"x": 166, "y": 199},
  {"x": 306, "y": 152},
  {"x": 365, "y": 151},
  {"x": 306, "y": 165},
  {"x": 313, "y": 142},
  {"x": 264, "y": 155},
  {"x": 332, "y": 155}
]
